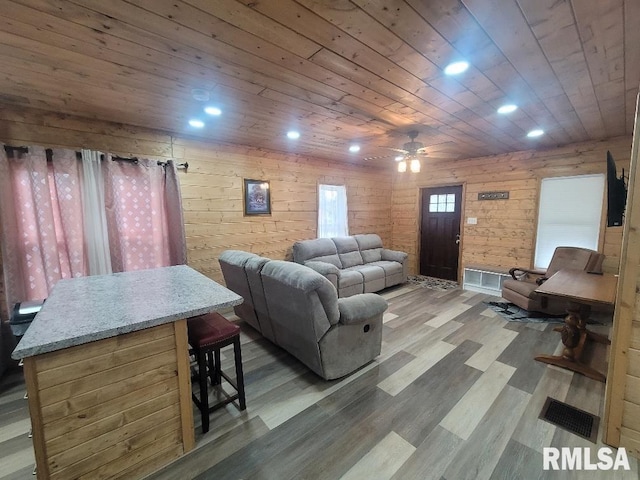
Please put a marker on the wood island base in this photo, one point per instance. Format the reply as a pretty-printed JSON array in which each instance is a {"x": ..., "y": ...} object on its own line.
[{"x": 113, "y": 408}]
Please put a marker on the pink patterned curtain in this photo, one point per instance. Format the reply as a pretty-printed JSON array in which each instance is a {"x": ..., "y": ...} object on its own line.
[
  {"x": 144, "y": 215},
  {"x": 41, "y": 212},
  {"x": 43, "y": 236}
]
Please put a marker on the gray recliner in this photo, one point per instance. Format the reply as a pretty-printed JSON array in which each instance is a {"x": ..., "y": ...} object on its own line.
[
  {"x": 299, "y": 310},
  {"x": 332, "y": 336},
  {"x": 241, "y": 272}
]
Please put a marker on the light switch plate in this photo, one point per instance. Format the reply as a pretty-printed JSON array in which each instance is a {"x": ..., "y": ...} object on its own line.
[{"x": 472, "y": 221}]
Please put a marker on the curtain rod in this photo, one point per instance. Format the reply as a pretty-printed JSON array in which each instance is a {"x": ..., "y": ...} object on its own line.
[
  {"x": 49, "y": 153},
  {"x": 115, "y": 158},
  {"x": 184, "y": 165},
  {"x": 11, "y": 149}
]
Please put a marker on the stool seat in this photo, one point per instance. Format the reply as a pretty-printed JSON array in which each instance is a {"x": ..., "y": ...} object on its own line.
[
  {"x": 209, "y": 329},
  {"x": 208, "y": 334}
]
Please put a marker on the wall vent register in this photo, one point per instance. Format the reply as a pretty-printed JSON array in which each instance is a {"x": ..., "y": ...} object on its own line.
[{"x": 484, "y": 279}]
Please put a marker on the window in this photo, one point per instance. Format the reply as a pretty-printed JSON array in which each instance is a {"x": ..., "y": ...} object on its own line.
[
  {"x": 332, "y": 211},
  {"x": 569, "y": 214},
  {"x": 442, "y": 203}
]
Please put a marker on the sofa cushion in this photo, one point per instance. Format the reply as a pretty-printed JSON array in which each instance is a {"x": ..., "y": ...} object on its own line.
[
  {"x": 390, "y": 268},
  {"x": 349, "y": 278},
  {"x": 368, "y": 241},
  {"x": 319, "y": 249},
  {"x": 370, "y": 246},
  {"x": 371, "y": 255},
  {"x": 332, "y": 259},
  {"x": 348, "y": 251},
  {"x": 303, "y": 305},
  {"x": 368, "y": 272},
  {"x": 374, "y": 277},
  {"x": 523, "y": 288}
]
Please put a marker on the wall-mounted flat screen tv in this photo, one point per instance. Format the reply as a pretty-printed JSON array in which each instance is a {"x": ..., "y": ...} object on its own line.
[{"x": 616, "y": 194}]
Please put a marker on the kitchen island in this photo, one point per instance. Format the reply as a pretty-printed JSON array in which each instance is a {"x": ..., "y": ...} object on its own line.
[{"x": 107, "y": 371}]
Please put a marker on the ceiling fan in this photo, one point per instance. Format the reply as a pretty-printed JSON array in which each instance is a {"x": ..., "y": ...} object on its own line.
[{"x": 413, "y": 149}]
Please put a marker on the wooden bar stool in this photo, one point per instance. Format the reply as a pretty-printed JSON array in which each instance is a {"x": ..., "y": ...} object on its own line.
[{"x": 207, "y": 335}]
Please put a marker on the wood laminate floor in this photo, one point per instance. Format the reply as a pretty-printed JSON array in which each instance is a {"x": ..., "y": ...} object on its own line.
[{"x": 454, "y": 395}]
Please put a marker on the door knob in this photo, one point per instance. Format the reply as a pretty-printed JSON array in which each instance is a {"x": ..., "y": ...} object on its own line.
[{"x": 458, "y": 239}]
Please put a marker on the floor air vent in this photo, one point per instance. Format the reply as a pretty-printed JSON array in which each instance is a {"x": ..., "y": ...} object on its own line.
[{"x": 570, "y": 418}]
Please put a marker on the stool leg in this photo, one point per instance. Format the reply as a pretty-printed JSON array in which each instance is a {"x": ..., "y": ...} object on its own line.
[
  {"x": 204, "y": 391},
  {"x": 239, "y": 373},
  {"x": 211, "y": 368},
  {"x": 217, "y": 378}
]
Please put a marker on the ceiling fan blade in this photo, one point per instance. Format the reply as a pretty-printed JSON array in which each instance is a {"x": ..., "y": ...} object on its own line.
[
  {"x": 439, "y": 154},
  {"x": 406, "y": 152},
  {"x": 379, "y": 157}
]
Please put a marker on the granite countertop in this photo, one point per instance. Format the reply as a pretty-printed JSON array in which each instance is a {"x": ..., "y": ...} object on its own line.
[{"x": 82, "y": 310}]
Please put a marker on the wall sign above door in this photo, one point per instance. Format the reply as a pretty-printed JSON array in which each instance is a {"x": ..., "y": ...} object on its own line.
[{"x": 493, "y": 195}]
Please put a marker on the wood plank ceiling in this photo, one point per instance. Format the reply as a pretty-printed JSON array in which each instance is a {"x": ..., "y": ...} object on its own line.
[{"x": 340, "y": 72}]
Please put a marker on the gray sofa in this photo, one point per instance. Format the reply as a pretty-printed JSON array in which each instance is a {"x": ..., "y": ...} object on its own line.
[
  {"x": 299, "y": 310},
  {"x": 356, "y": 264}
]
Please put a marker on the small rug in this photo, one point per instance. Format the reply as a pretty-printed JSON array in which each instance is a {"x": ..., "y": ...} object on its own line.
[
  {"x": 432, "y": 282},
  {"x": 514, "y": 313}
]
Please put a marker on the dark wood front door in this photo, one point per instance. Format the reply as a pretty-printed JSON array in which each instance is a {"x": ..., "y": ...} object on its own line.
[{"x": 440, "y": 232}]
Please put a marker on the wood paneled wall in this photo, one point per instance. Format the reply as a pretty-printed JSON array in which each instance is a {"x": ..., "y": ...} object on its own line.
[
  {"x": 212, "y": 186},
  {"x": 212, "y": 196},
  {"x": 212, "y": 190},
  {"x": 622, "y": 397},
  {"x": 505, "y": 233}
]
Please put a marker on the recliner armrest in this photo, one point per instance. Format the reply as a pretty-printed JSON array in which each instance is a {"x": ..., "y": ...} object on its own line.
[
  {"x": 323, "y": 268},
  {"x": 327, "y": 270},
  {"x": 513, "y": 271},
  {"x": 394, "y": 255},
  {"x": 360, "y": 308}
]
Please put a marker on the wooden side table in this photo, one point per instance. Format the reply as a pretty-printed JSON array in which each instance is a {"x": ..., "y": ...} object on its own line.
[{"x": 581, "y": 290}]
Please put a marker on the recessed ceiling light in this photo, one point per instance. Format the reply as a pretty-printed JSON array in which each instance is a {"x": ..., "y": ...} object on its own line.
[
  {"x": 535, "y": 133},
  {"x": 399, "y": 158},
  {"x": 354, "y": 148},
  {"x": 292, "y": 134},
  {"x": 213, "y": 111},
  {"x": 200, "y": 95},
  {"x": 195, "y": 123},
  {"x": 456, "y": 68},
  {"x": 507, "y": 108}
]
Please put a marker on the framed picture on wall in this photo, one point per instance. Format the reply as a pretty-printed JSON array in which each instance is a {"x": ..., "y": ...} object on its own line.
[{"x": 257, "y": 197}]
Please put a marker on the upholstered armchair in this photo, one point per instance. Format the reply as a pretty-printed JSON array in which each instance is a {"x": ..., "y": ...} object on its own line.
[{"x": 520, "y": 289}]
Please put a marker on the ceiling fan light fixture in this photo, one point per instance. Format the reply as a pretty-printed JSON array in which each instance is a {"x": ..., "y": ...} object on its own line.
[
  {"x": 200, "y": 94},
  {"x": 508, "y": 108},
  {"x": 415, "y": 165},
  {"x": 399, "y": 158},
  {"x": 402, "y": 166},
  {"x": 456, "y": 68}
]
